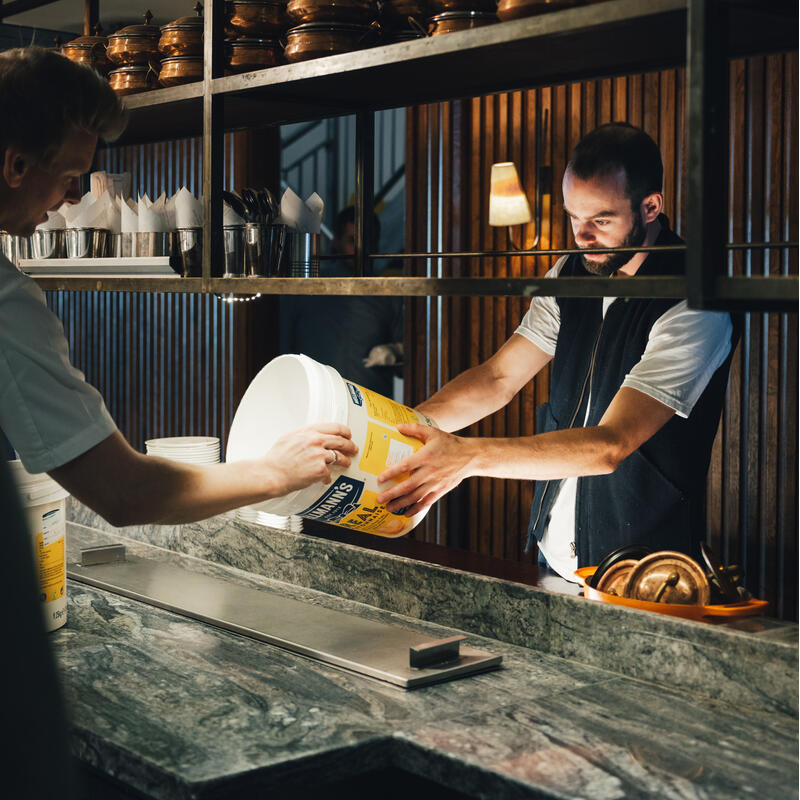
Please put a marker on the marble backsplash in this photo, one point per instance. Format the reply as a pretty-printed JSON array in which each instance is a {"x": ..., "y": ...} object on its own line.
[{"x": 755, "y": 665}]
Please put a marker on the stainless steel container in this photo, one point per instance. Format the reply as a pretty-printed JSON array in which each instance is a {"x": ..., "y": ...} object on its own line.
[
  {"x": 86, "y": 242},
  {"x": 233, "y": 250},
  {"x": 121, "y": 245},
  {"x": 304, "y": 255},
  {"x": 48, "y": 243},
  {"x": 263, "y": 249},
  {"x": 189, "y": 245},
  {"x": 14, "y": 247},
  {"x": 152, "y": 244}
]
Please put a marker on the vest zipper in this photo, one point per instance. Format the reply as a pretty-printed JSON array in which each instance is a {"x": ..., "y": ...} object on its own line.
[{"x": 586, "y": 380}]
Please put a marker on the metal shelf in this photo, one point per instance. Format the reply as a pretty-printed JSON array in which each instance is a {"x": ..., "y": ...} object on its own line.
[
  {"x": 603, "y": 39},
  {"x": 775, "y": 293}
]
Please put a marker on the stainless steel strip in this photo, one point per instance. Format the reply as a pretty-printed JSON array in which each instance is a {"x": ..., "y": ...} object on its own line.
[{"x": 376, "y": 649}]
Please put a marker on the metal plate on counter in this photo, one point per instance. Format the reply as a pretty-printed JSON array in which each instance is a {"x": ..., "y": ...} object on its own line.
[{"x": 377, "y": 649}]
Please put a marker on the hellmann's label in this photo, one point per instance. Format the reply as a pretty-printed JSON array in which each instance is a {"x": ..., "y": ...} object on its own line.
[{"x": 349, "y": 504}]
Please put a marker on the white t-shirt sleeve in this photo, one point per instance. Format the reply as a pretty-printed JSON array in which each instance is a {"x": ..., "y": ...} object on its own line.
[
  {"x": 542, "y": 321},
  {"x": 47, "y": 410},
  {"x": 685, "y": 348}
]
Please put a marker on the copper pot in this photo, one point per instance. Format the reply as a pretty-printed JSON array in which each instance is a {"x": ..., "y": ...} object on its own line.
[
  {"x": 257, "y": 18},
  {"x": 135, "y": 44},
  {"x": 89, "y": 50},
  {"x": 515, "y": 9},
  {"x": 318, "y": 39},
  {"x": 180, "y": 69},
  {"x": 443, "y": 6},
  {"x": 184, "y": 36},
  {"x": 357, "y": 12},
  {"x": 133, "y": 79},
  {"x": 454, "y": 21},
  {"x": 245, "y": 55}
]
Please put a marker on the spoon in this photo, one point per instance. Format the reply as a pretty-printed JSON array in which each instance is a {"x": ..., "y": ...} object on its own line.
[{"x": 235, "y": 202}]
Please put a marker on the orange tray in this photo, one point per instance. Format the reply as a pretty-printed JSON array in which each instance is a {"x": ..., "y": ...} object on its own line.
[{"x": 718, "y": 613}]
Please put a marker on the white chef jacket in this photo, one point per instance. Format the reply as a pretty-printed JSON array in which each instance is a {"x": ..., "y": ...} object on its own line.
[
  {"x": 684, "y": 349},
  {"x": 48, "y": 411}
]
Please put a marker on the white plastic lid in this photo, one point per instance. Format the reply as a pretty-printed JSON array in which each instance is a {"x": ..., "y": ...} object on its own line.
[{"x": 36, "y": 489}]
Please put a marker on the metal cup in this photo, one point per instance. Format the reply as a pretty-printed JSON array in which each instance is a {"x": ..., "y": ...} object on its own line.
[
  {"x": 150, "y": 244},
  {"x": 276, "y": 236},
  {"x": 233, "y": 250},
  {"x": 190, "y": 248},
  {"x": 86, "y": 242},
  {"x": 120, "y": 245},
  {"x": 254, "y": 256},
  {"x": 14, "y": 247},
  {"x": 304, "y": 255},
  {"x": 48, "y": 243}
]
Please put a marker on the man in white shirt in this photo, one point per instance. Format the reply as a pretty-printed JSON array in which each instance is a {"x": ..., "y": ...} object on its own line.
[
  {"x": 636, "y": 389},
  {"x": 52, "y": 113}
]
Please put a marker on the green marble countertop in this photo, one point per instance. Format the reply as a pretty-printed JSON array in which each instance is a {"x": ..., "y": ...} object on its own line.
[{"x": 177, "y": 709}]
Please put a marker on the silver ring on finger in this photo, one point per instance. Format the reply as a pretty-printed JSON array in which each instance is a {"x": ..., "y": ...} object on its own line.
[{"x": 334, "y": 459}]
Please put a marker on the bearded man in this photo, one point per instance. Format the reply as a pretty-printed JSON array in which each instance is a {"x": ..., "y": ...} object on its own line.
[{"x": 623, "y": 446}]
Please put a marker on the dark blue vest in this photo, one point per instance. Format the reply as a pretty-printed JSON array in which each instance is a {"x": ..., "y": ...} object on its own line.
[{"x": 656, "y": 496}]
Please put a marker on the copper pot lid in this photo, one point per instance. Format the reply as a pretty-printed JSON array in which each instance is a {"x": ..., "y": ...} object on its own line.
[
  {"x": 248, "y": 42},
  {"x": 311, "y": 27},
  {"x": 131, "y": 69},
  {"x": 187, "y": 23},
  {"x": 615, "y": 578},
  {"x": 171, "y": 59},
  {"x": 445, "y": 15},
  {"x": 89, "y": 41},
  {"x": 668, "y": 577},
  {"x": 146, "y": 31}
]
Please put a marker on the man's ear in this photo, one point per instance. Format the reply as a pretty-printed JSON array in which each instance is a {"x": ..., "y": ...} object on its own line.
[
  {"x": 15, "y": 166},
  {"x": 652, "y": 206}
]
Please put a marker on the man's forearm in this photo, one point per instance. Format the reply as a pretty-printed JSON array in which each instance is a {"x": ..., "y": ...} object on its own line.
[
  {"x": 547, "y": 456},
  {"x": 467, "y": 398}
]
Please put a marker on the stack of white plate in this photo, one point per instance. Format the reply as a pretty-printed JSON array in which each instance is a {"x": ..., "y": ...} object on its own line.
[
  {"x": 189, "y": 449},
  {"x": 249, "y": 514}
]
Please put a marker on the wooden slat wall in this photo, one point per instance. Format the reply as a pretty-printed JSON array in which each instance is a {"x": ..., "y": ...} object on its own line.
[{"x": 752, "y": 483}]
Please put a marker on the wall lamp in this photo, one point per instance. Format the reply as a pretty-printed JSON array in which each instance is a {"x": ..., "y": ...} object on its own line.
[{"x": 508, "y": 203}]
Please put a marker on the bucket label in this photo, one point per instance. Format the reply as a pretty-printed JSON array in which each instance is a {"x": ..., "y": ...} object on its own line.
[
  {"x": 338, "y": 501},
  {"x": 348, "y": 504},
  {"x": 355, "y": 393},
  {"x": 50, "y": 557},
  {"x": 384, "y": 447},
  {"x": 372, "y": 517},
  {"x": 385, "y": 410}
]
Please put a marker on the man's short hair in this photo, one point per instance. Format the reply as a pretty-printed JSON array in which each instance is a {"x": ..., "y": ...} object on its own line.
[
  {"x": 347, "y": 216},
  {"x": 44, "y": 97},
  {"x": 615, "y": 146}
]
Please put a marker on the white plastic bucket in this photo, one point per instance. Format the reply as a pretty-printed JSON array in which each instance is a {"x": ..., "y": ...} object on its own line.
[
  {"x": 294, "y": 390},
  {"x": 46, "y": 509}
]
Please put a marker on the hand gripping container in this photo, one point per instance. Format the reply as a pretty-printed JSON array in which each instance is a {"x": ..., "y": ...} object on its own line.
[{"x": 294, "y": 390}]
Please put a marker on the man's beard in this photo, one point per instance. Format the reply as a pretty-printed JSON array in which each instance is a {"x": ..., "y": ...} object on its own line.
[{"x": 613, "y": 261}]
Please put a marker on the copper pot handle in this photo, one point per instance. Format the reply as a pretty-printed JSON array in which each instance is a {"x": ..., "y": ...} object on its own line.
[
  {"x": 372, "y": 27},
  {"x": 414, "y": 23},
  {"x": 671, "y": 580}
]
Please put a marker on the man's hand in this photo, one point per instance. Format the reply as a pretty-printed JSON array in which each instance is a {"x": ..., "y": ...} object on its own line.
[
  {"x": 431, "y": 472},
  {"x": 306, "y": 455}
]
